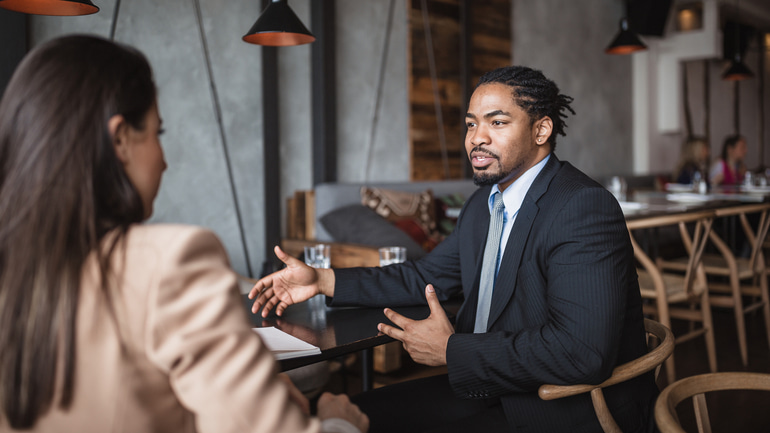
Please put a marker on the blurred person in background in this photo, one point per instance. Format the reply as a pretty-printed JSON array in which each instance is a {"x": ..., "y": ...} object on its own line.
[{"x": 730, "y": 168}]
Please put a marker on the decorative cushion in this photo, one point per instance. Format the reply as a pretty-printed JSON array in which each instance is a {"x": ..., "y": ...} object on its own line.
[
  {"x": 358, "y": 224},
  {"x": 395, "y": 206},
  {"x": 447, "y": 210},
  {"x": 413, "y": 229}
]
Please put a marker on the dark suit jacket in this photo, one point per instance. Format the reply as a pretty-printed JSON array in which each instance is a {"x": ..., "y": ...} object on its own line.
[{"x": 566, "y": 307}]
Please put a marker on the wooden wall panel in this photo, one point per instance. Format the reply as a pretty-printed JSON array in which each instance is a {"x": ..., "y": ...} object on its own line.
[{"x": 490, "y": 24}]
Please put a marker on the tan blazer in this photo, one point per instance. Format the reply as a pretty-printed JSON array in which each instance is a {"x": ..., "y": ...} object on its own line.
[{"x": 181, "y": 356}]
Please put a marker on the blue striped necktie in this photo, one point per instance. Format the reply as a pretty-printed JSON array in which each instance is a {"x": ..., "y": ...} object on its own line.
[{"x": 489, "y": 265}]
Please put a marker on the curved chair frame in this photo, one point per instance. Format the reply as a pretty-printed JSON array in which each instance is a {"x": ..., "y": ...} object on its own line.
[
  {"x": 746, "y": 276},
  {"x": 652, "y": 360},
  {"x": 696, "y": 387},
  {"x": 676, "y": 295}
]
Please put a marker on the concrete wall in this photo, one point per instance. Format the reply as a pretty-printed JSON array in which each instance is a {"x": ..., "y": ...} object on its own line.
[
  {"x": 568, "y": 47},
  {"x": 195, "y": 188}
]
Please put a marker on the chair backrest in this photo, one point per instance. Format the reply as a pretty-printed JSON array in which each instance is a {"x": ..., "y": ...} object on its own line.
[
  {"x": 696, "y": 387},
  {"x": 649, "y": 361},
  {"x": 756, "y": 239},
  {"x": 694, "y": 244}
]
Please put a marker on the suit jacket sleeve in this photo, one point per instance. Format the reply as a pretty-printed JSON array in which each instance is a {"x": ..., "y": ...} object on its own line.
[
  {"x": 565, "y": 318},
  {"x": 199, "y": 334}
]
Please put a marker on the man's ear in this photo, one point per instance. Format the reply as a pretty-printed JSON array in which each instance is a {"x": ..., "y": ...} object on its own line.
[
  {"x": 119, "y": 133},
  {"x": 543, "y": 129}
]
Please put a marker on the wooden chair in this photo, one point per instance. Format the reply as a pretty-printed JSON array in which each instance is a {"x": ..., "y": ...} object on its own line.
[
  {"x": 746, "y": 276},
  {"x": 674, "y": 294},
  {"x": 696, "y": 387},
  {"x": 652, "y": 360}
]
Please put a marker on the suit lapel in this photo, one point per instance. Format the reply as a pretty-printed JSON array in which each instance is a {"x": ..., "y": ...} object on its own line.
[
  {"x": 478, "y": 217},
  {"x": 505, "y": 284}
]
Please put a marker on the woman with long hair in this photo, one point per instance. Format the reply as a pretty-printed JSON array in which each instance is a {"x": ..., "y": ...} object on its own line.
[
  {"x": 730, "y": 168},
  {"x": 694, "y": 159},
  {"x": 107, "y": 324}
]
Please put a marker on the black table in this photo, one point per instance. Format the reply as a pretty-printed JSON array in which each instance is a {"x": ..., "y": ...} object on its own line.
[{"x": 337, "y": 331}]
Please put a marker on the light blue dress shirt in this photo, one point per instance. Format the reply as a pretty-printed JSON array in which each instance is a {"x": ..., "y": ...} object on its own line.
[{"x": 513, "y": 197}]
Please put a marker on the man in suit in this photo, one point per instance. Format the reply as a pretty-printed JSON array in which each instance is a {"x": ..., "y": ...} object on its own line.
[{"x": 549, "y": 283}]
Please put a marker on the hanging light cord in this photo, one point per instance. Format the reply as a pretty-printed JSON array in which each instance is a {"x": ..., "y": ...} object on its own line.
[
  {"x": 378, "y": 96},
  {"x": 218, "y": 113},
  {"x": 114, "y": 20},
  {"x": 434, "y": 83}
]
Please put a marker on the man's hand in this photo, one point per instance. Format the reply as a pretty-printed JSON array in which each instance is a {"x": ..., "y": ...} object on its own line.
[
  {"x": 425, "y": 340},
  {"x": 294, "y": 283}
]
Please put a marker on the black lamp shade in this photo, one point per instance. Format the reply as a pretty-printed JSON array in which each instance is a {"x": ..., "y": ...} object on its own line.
[
  {"x": 51, "y": 7},
  {"x": 626, "y": 41},
  {"x": 278, "y": 26},
  {"x": 737, "y": 70}
]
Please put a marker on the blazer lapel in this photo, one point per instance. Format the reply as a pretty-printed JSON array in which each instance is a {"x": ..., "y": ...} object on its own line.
[
  {"x": 478, "y": 214},
  {"x": 505, "y": 285}
]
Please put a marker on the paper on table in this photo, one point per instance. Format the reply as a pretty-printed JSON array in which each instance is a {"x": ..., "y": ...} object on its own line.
[
  {"x": 632, "y": 205},
  {"x": 679, "y": 187},
  {"x": 283, "y": 345},
  {"x": 688, "y": 197}
]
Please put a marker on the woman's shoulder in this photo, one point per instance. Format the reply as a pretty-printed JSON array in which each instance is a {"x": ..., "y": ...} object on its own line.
[
  {"x": 164, "y": 232},
  {"x": 171, "y": 238}
]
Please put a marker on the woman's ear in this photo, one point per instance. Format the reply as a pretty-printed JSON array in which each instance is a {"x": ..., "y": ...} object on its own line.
[
  {"x": 543, "y": 130},
  {"x": 118, "y": 132}
]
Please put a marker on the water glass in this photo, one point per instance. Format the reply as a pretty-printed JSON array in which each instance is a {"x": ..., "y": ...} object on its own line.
[
  {"x": 618, "y": 187},
  {"x": 390, "y": 255},
  {"x": 748, "y": 180},
  {"x": 318, "y": 256}
]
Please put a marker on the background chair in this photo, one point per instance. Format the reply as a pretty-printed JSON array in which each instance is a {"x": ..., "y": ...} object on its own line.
[
  {"x": 675, "y": 294},
  {"x": 746, "y": 276},
  {"x": 696, "y": 387},
  {"x": 652, "y": 360}
]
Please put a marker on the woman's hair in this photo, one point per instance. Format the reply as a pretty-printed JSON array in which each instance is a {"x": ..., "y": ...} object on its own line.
[
  {"x": 729, "y": 143},
  {"x": 535, "y": 94},
  {"x": 691, "y": 154},
  {"x": 62, "y": 188}
]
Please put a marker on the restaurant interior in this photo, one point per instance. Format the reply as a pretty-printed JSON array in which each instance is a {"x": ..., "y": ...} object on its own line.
[{"x": 374, "y": 93}]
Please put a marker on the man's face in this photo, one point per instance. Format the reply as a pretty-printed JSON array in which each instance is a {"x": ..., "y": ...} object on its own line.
[{"x": 502, "y": 142}]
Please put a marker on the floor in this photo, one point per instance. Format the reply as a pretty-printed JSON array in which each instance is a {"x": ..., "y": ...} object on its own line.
[{"x": 731, "y": 411}]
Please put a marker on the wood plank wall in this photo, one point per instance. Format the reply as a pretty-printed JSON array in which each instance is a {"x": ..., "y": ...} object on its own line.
[{"x": 490, "y": 24}]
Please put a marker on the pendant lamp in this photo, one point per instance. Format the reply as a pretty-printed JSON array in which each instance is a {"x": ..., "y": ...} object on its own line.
[
  {"x": 51, "y": 7},
  {"x": 626, "y": 41},
  {"x": 737, "y": 70},
  {"x": 278, "y": 26}
]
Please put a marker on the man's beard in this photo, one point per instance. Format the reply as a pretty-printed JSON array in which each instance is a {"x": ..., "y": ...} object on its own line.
[{"x": 484, "y": 178}]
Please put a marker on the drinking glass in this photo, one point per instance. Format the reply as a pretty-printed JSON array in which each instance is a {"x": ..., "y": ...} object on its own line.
[
  {"x": 617, "y": 187},
  {"x": 748, "y": 180},
  {"x": 390, "y": 255},
  {"x": 318, "y": 256}
]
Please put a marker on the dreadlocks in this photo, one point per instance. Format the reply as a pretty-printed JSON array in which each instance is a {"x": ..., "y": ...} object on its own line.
[{"x": 534, "y": 93}]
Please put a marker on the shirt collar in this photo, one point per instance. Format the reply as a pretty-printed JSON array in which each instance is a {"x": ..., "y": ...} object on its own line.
[{"x": 513, "y": 196}]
